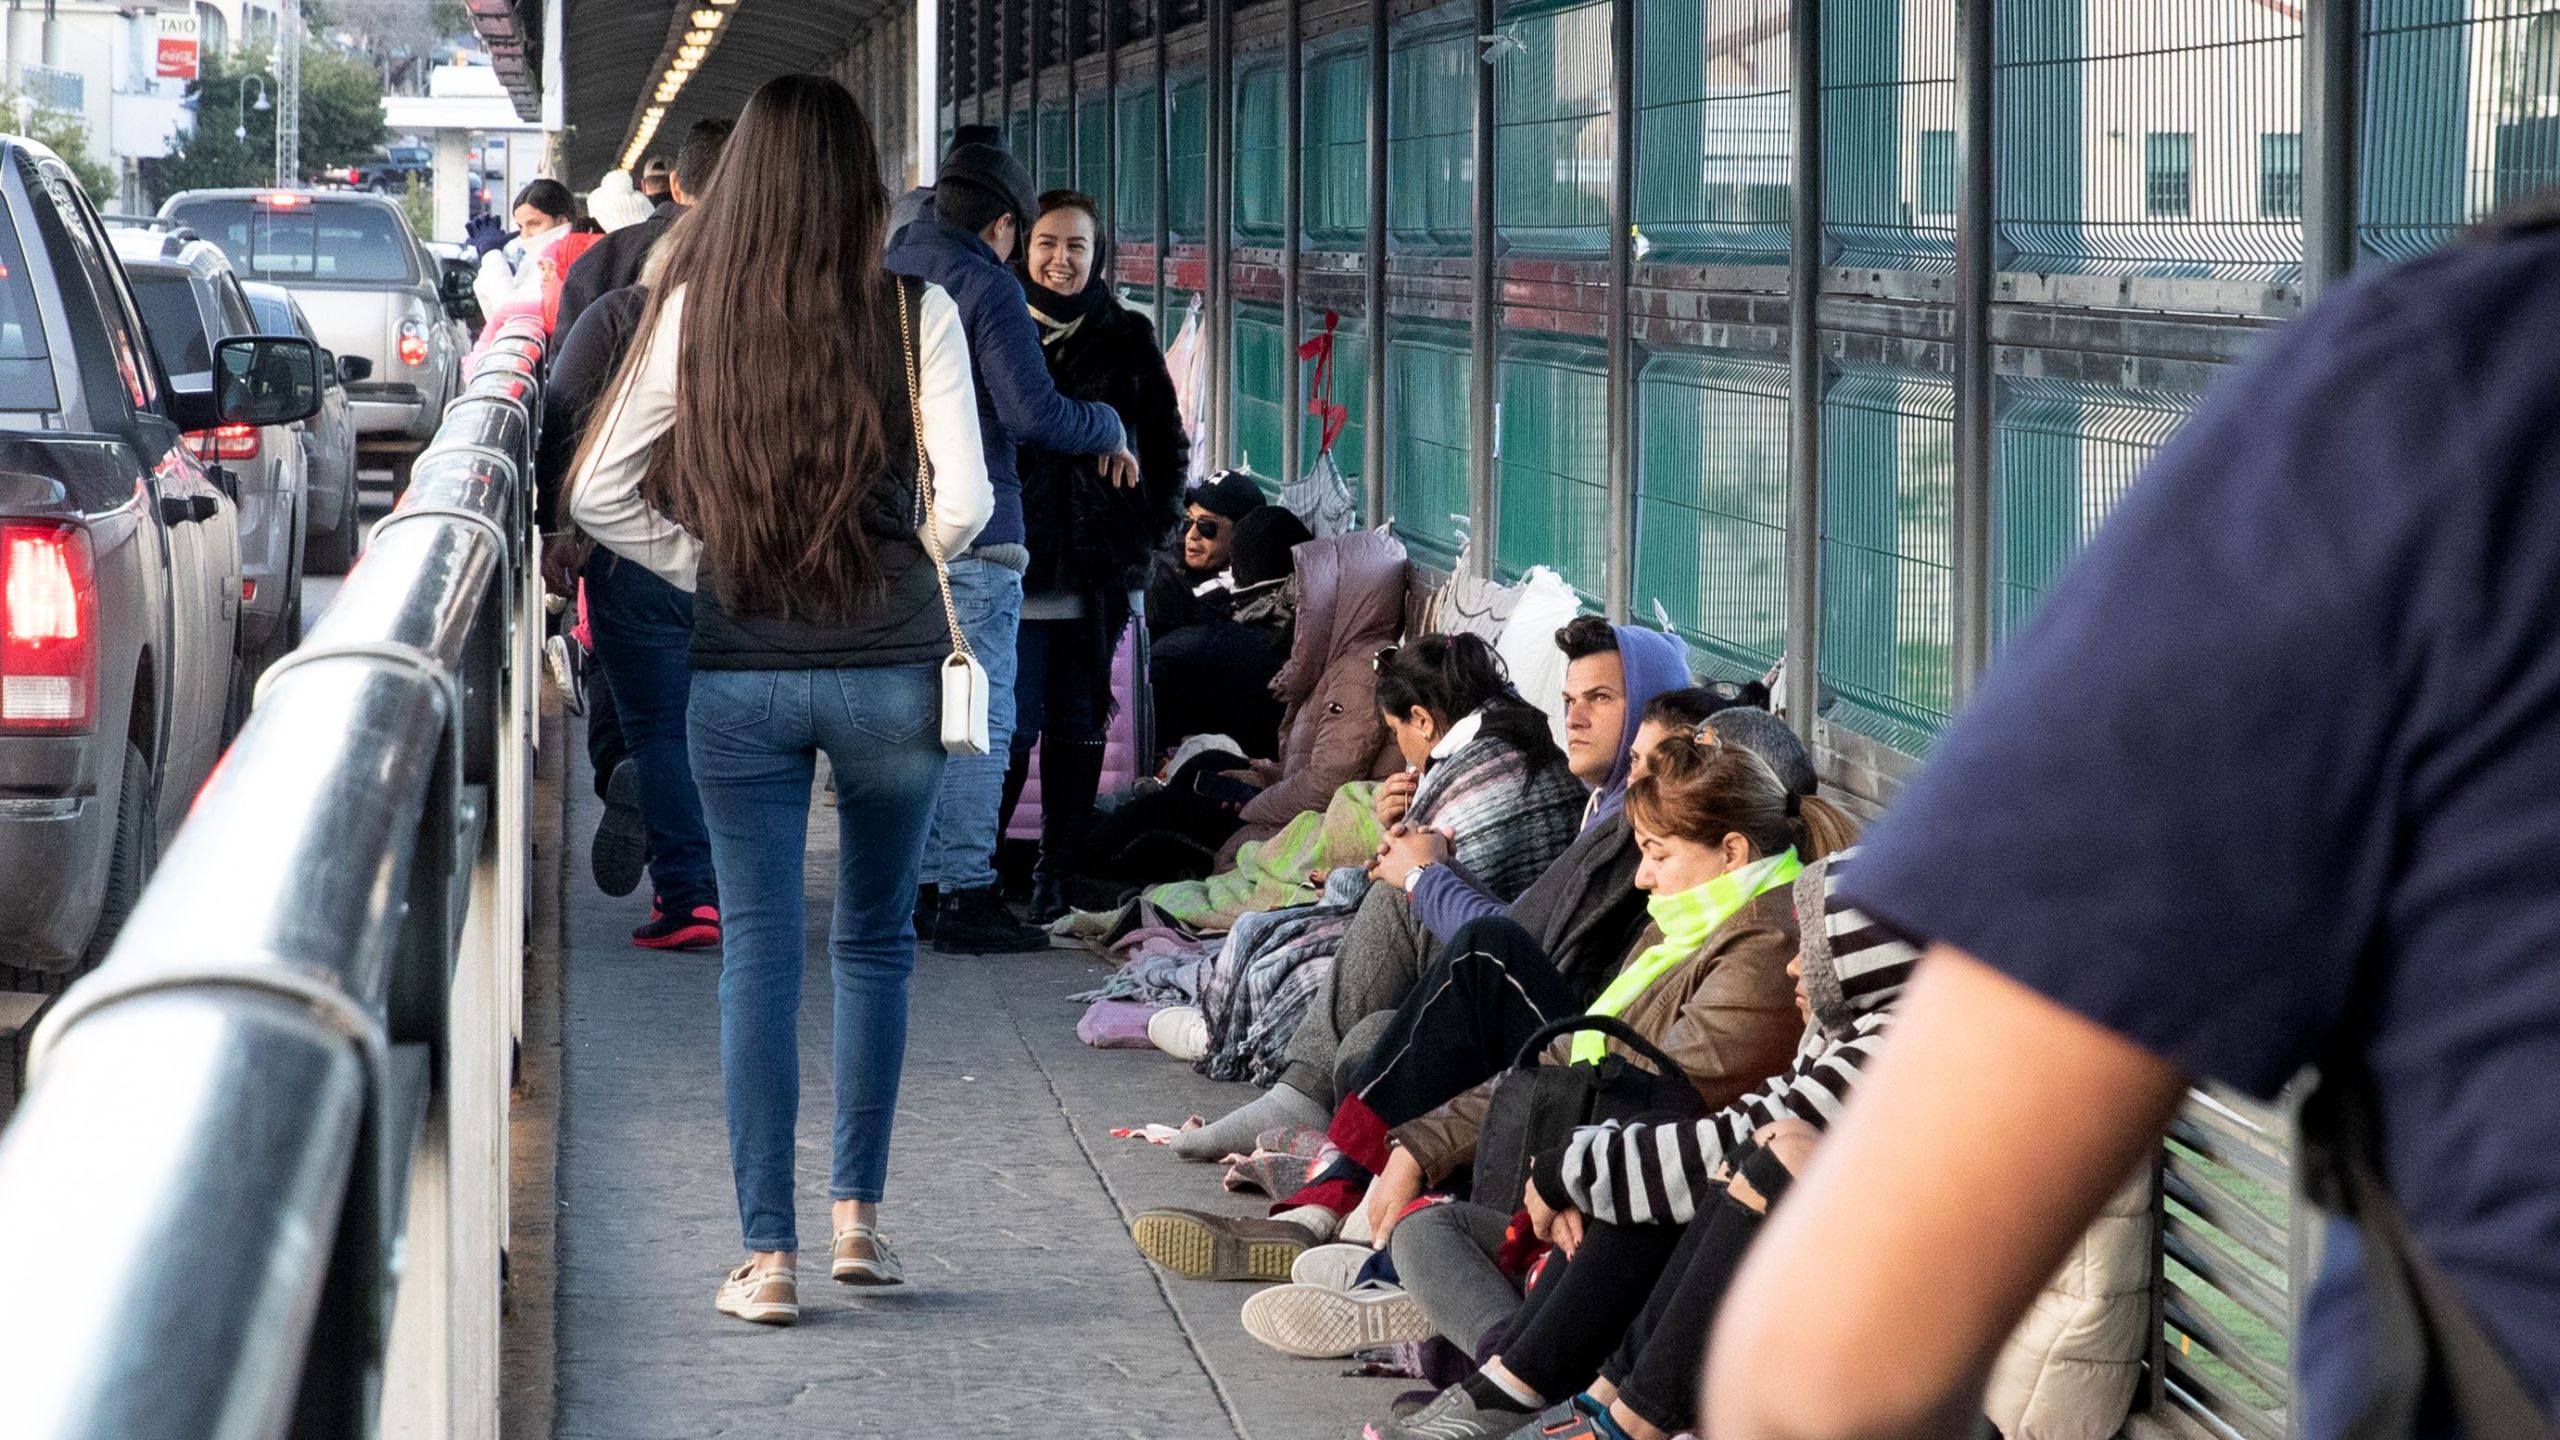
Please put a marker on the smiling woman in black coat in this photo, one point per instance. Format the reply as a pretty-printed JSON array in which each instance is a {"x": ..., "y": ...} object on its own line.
[{"x": 1090, "y": 539}]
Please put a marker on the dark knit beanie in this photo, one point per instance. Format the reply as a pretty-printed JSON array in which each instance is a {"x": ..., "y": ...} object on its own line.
[
  {"x": 1264, "y": 538},
  {"x": 995, "y": 171},
  {"x": 1232, "y": 493}
]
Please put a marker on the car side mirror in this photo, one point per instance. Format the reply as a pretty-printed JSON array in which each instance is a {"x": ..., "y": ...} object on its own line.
[
  {"x": 266, "y": 379},
  {"x": 352, "y": 368}
]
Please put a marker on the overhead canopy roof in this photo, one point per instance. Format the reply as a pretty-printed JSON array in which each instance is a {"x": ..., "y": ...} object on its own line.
[{"x": 613, "y": 51}]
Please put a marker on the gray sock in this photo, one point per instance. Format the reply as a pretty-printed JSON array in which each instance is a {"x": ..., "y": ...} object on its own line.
[{"x": 1234, "y": 1133}]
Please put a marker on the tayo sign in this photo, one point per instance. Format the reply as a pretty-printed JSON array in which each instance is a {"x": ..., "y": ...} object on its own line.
[{"x": 177, "y": 54}]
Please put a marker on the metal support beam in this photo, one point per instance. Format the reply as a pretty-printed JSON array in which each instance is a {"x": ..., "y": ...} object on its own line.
[
  {"x": 1293, "y": 220},
  {"x": 1804, "y": 394},
  {"x": 1970, "y": 512},
  {"x": 1484, "y": 412},
  {"x": 1110, "y": 196},
  {"x": 1619, "y": 595},
  {"x": 2331, "y": 123},
  {"x": 1164, "y": 171},
  {"x": 1373, "y": 428},
  {"x": 1036, "y": 12},
  {"x": 1217, "y": 217}
]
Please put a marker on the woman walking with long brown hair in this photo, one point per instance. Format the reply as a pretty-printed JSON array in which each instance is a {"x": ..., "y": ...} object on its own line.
[{"x": 795, "y": 440}]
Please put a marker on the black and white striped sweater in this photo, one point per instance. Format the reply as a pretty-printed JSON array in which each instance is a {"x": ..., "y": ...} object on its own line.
[{"x": 1660, "y": 1173}]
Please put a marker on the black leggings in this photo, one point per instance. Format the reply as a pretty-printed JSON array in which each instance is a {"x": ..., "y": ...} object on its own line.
[
  {"x": 1634, "y": 1304},
  {"x": 1464, "y": 1022},
  {"x": 1656, "y": 1369}
]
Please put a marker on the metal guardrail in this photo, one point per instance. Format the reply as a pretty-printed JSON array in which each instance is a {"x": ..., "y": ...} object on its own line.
[
  {"x": 2233, "y": 1255},
  {"x": 258, "y": 1184}
]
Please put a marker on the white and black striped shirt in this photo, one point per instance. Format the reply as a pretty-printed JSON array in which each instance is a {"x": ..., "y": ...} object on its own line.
[{"x": 1660, "y": 1174}]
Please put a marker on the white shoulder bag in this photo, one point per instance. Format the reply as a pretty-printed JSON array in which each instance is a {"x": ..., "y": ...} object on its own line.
[{"x": 964, "y": 680}]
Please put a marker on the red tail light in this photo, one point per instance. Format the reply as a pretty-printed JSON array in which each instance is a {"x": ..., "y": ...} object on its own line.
[
  {"x": 48, "y": 629},
  {"x": 225, "y": 442},
  {"x": 413, "y": 351}
]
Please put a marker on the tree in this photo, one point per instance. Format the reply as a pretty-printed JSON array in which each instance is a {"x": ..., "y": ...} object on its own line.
[
  {"x": 66, "y": 134},
  {"x": 341, "y": 121}
]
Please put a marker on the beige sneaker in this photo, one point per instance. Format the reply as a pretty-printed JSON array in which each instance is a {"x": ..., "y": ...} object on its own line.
[
  {"x": 863, "y": 1258},
  {"x": 767, "y": 1299}
]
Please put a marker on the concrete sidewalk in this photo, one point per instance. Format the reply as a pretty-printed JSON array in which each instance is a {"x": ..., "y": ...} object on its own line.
[{"x": 1027, "y": 1312}]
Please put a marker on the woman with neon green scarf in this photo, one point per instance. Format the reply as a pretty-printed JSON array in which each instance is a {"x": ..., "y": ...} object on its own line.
[{"x": 1721, "y": 839}]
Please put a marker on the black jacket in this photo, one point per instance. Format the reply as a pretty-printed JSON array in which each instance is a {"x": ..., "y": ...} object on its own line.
[
  {"x": 610, "y": 264},
  {"x": 1085, "y": 535},
  {"x": 589, "y": 354}
]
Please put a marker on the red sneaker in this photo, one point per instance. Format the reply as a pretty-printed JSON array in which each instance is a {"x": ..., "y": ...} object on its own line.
[{"x": 695, "y": 929}]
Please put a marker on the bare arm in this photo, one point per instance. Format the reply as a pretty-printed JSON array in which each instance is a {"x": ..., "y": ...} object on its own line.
[{"x": 1982, "y": 1142}]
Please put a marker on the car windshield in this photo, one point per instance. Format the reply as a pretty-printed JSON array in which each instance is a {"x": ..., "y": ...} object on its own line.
[
  {"x": 273, "y": 316},
  {"x": 302, "y": 240},
  {"x": 168, "y": 300}
]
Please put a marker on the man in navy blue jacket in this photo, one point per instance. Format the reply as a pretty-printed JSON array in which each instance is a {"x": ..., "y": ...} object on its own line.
[{"x": 982, "y": 205}]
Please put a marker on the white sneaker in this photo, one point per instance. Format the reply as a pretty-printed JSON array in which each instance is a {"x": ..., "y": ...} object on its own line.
[
  {"x": 1321, "y": 1324},
  {"x": 564, "y": 673},
  {"x": 1330, "y": 1267},
  {"x": 1180, "y": 1031},
  {"x": 772, "y": 1298}
]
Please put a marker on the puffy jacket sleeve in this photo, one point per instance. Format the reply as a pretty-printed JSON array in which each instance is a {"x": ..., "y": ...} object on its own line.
[
  {"x": 2070, "y": 1369},
  {"x": 1344, "y": 712},
  {"x": 1019, "y": 385}
]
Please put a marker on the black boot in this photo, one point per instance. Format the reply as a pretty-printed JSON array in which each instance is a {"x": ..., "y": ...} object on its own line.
[
  {"x": 928, "y": 910},
  {"x": 975, "y": 922},
  {"x": 1070, "y": 776}
]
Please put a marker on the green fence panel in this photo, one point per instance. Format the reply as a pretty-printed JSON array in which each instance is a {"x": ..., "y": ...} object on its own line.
[
  {"x": 1262, "y": 154},
  {"x": 1888, "y": 615},
  {"x": 2463, "y": 115},
  {"x": 2064, "y": 453},
  {"x": 1093, "y": 146},
  {"x": 1261, "y": 388},
  {"x": 1431, "y": 134},
  {"x": 1334, "y": 152},
  {"x": 1714, "y": 146},
  {"x": 1888, "y": 82},
  {"x": 1711, "y": 507},
  {"x": 1552, "y": 464},
  {"x": 1136, "y": 210},
  {"x": 1427, "y": 445},
  {"x": 1188, "y": 205},
  {"x": 1057, "y": 146},
  {"x": 1017, "y": 133},
  {"x": 1554, "y": 130}
]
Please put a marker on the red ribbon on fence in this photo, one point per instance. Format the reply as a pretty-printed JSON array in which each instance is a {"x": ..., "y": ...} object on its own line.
[{"x": 1320, "y": 399}]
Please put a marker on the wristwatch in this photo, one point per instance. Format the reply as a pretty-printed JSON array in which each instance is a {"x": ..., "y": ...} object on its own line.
[{"x": 1413, "y": 877}]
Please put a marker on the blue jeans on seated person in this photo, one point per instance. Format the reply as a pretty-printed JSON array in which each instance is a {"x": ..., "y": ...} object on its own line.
[
  {"x": 643, "y": 630},
  {"x": 755, "y": 738},
  {"x": 962, "y": 852}
]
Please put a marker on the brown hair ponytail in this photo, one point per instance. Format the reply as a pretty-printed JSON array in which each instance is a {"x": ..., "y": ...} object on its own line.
[{"x": 1702, "y": 793}]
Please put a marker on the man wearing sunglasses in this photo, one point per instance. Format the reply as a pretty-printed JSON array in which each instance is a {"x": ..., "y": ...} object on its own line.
[{"x": 1185, "y": 582}]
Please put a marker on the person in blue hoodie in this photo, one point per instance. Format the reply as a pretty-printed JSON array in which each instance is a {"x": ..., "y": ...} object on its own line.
[{"x": 982, "y": 203}]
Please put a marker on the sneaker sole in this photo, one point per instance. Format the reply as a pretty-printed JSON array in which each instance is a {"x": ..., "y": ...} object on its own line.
[
  {"x": 1196, "y": 1252},
  {"x": 1319, "y": 1324},
  {"x": 1333, "y": 1267},
  {"x": 620, "y": 853},
  {"x": 762, "y": 1314},
  {"x": 696, "y": 937}
]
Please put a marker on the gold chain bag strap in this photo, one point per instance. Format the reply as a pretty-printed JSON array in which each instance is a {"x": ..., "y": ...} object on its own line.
[{"x": 964, "y": 680}]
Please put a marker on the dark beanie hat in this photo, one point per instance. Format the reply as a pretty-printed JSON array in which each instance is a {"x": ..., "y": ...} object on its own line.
[
  {"x": 992, "y": 169},
  {"x": 1232, "y": 493},
  {"x": 1264, "y": 538}
]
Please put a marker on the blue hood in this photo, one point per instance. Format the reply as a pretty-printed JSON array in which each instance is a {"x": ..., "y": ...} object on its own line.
[{"x": 1655, "y": 663}]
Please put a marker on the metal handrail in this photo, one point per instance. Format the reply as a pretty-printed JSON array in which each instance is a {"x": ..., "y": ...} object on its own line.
[{"x": 257, "y": 1182}]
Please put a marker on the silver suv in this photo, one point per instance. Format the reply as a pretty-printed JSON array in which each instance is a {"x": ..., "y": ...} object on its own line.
[{"x": 370, "y": 289}]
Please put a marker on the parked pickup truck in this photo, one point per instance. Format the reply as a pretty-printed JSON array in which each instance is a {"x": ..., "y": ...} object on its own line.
[
  {"x": 370, "y": 289},
  {"x": 119, "y": 572}
]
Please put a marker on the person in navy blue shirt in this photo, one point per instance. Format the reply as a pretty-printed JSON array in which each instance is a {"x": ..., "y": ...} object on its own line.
[
  {"x": 2269, "y": 783},
  {"x": 982, "y": 205}
]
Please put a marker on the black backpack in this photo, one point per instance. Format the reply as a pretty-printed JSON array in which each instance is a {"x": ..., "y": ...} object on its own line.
[{"x": 1536, "y": 1106}]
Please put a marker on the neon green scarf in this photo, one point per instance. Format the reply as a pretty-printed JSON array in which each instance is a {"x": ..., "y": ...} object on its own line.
[{"x": 1687, "y": 919}]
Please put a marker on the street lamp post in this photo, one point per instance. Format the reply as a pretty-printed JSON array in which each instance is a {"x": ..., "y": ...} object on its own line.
[{"x": 240, "y": 106}]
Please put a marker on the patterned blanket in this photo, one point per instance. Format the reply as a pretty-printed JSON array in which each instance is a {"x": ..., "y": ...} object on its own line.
[{"x": 1510, "y": 817}]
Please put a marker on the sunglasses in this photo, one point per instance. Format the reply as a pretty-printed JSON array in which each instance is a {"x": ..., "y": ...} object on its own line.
[
  {"x": 1208, "y": 527},
  {"x": 1379, "y": 660}
]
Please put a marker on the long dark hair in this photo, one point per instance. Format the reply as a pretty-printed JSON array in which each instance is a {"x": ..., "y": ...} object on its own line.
[
  {"x": 1448, "y": 676},
  {"x": 790, "y": 346},
  {"x": 1703, "y": 793}
]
